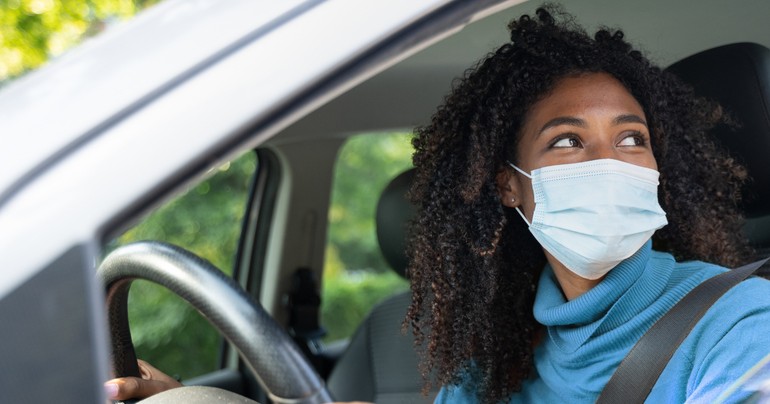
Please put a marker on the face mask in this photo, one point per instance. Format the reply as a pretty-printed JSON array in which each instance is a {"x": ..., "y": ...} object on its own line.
[{"x": 594, "y": 214}]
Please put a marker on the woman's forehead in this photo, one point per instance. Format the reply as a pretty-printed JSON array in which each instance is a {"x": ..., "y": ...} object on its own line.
[{"x": 588, "y": 95}]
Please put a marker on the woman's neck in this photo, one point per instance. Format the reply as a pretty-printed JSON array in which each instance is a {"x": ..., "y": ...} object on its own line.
[{"x": 572, "y": 285}]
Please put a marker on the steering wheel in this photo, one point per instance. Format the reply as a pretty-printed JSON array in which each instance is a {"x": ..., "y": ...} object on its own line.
[{"x": 268, "y": 351}]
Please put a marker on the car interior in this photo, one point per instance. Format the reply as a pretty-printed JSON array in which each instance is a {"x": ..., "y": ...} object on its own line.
[
  {"x": 379, "y": 362},
  {"x": 735, "y": 75},
  {"x": 280, "y": 254}
]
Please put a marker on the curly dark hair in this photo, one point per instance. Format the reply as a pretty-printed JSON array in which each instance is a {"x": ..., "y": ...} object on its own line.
[{"x": 473, "y": 264}]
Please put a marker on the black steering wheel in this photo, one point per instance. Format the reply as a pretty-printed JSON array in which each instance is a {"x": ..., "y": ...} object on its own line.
[{"x": 268, "y": 351}]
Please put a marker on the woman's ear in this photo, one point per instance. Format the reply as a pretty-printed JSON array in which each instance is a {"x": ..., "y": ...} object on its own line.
[{"x": 508, "y": 188}]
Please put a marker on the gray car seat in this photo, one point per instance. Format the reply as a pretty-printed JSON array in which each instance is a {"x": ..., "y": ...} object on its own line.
[
  {"x": 738, "y": 77},
  {"x": 380, "y": 364}
]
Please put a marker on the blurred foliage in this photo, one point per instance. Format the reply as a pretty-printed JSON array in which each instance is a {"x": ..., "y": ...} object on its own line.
[
  {"x": 206, "y": 220},
  {"x": 364, "y": 167},
  {"x": 356, "y": 276},
  {"x": 34, "y": 31}
]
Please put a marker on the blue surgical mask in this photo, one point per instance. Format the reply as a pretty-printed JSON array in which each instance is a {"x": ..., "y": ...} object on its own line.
[{"x": 592, "y": 215}]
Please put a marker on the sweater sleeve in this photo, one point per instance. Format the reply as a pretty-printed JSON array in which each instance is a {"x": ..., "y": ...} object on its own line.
[{"x": 738, "y": 331}]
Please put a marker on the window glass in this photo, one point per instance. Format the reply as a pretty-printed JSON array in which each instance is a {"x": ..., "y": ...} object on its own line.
[
  {"x": 356, "y": 276},
  {"x": 206, "y": 220}
]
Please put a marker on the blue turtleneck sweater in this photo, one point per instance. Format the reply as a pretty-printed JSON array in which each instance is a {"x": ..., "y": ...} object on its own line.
[{"x": 588, "y": 337}]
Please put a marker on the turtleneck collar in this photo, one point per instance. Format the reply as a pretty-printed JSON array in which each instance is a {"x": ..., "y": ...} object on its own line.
[{"x": 627, "y": 289}]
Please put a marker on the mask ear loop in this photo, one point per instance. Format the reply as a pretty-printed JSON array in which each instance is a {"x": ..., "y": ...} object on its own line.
[{"x": 528, "y": 176}]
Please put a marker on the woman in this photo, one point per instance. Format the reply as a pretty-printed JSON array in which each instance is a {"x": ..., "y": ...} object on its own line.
[{"x": 534, "y": 267}]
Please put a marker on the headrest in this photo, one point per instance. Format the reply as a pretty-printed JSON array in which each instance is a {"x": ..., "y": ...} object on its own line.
[
  {"x": 738, "y": 77},
  {"x": 394, "y": 211}
]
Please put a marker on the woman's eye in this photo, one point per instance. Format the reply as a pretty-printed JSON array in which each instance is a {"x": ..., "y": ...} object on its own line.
[
  {"x": 633, "y": 140},
  {"x": 566, "y": 142}
]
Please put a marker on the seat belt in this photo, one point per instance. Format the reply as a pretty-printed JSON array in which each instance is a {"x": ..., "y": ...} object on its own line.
[{"x": 640, "y": 369}]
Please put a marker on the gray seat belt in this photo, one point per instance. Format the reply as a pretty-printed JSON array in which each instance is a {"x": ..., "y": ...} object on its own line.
[{"x": 640, "y": 369}]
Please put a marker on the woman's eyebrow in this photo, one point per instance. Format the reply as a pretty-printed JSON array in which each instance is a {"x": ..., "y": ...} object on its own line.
[
  {"x": 563, "y": 120},
  {"x": 628, "y": 118},
  {"x": 572, "y": 121}
]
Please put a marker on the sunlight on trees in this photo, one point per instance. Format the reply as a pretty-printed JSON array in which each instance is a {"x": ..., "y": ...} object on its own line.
[{"x": 34, "y": 31}]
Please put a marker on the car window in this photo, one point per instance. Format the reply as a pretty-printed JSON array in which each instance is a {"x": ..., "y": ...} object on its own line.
[
  {"x": 355, "y": 275},
  {"x": 206, "y": 220}
]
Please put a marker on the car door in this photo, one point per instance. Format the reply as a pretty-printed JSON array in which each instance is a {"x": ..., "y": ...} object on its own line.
[{"x": 112, "y": 130}]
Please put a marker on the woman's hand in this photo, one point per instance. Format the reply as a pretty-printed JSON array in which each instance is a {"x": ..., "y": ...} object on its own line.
[{"x": 153, "y": 381}]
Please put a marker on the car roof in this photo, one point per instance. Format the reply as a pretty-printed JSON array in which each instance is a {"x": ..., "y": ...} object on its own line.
[
  {"x": 59, "y": 106},
  {"x": 406, "y": 95},
  {"x": 115, "y": 72}
]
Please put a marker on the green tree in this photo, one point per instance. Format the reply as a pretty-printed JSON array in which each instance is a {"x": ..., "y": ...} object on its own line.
[
  {"x": 364, "y": 167},
  {"x": 34, "y": 31},
  {"x": 207, "y": 221}
]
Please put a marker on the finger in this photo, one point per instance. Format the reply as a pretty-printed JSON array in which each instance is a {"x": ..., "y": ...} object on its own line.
[
  {"x": 150, "y": 372},
  {"x": 133, "y": 387}
]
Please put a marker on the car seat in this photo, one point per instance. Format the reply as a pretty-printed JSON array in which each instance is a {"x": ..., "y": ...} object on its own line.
[
  {"x": 738, "y": 77},
  {"x": 380, "y": 364}
]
